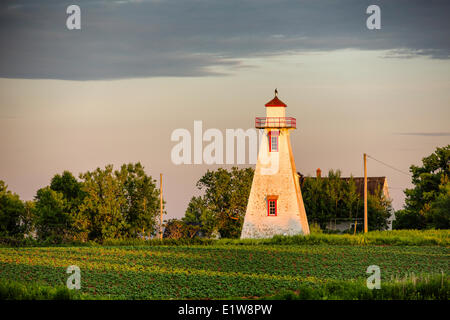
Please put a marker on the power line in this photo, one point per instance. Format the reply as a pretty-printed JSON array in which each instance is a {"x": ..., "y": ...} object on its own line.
[{"x": 388, "y": 165}]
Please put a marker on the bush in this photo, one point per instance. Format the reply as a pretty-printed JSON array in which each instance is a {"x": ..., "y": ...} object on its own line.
[{"x": 315, "y": 228}]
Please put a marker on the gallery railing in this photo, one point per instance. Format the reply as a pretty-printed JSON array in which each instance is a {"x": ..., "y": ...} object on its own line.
[{"x": 275, "y": 122}]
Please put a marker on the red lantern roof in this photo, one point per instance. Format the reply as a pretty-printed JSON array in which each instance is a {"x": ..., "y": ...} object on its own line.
[{"x": 275, "y": 102}]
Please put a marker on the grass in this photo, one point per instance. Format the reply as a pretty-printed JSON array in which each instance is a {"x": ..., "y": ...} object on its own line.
[
  {"x": 13, "y": 290},
  {"x": 394, "y": 237},
  {"x": 434, "y": 287}
]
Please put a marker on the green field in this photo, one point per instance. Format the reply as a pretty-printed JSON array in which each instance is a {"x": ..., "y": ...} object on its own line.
[{"x": 214, "y": 271}]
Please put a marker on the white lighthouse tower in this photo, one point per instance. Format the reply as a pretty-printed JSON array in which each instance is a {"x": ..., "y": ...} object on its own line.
[{"x": 275, "y": 205}]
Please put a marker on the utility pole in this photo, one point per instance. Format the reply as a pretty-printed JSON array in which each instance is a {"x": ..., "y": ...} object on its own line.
[
  {"x": 161, "y": 206},
  {"x": 365, "y": 194}
]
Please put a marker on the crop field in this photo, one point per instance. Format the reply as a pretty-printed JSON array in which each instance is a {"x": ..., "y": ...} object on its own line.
[{"x": 213, "y": 271}]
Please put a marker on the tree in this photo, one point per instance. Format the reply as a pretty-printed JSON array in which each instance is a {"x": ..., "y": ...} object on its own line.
[
  {"x": 57, "y": 209},
  {"x": 405, "y": 219},
  {"x": 70, "y": 188},
  {"x": 141, "y": 207},
  {"x": 118, "y": 204},
  {"x": 29, "y": 218},
  {"x": 316, "y": 205},
  {"x": 198, "y": 214},
  {"x": 439, "y": 214},
  {"x": 14, "y": 218},
  {"x": 425, "y": 203},
  {"x": 103, "y": 203},
  {"x": 222, "y": 207},
  {"x": 53, "y": 221},
  {"x": 379, "y": 210}
]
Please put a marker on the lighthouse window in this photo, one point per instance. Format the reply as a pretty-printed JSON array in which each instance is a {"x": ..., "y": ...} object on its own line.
[
  {"x": 272, "y": 207},
  {"x": 273, "y": 138}
]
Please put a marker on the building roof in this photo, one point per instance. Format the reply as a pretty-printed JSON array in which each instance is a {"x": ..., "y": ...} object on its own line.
[
  {"x": 275, "y": 102},
  {"x": 373, "y": 183}
]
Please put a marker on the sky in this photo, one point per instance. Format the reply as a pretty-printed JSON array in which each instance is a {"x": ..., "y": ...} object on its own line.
[{"x": 114, "y": 91}]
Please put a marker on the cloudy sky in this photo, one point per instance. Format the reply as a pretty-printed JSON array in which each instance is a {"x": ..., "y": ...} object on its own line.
[{"x": 114, "y": 91}]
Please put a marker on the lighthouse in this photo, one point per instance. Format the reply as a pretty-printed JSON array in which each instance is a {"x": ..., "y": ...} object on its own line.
[{"x": 275, "y": 205}]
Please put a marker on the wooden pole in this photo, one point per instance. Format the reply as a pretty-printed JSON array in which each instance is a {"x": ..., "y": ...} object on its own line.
[
  {"x": 365, "y": 194},
  {"x": 161, "y": 206}
]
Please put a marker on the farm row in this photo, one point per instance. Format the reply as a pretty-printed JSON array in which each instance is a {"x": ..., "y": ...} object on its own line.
[{"x": 214, "y": 271}]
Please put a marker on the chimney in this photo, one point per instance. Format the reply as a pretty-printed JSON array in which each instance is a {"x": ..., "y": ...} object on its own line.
[{"x": 318, "y": 173}]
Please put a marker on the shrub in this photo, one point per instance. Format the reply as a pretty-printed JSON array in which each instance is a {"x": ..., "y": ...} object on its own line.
[{"x": 315, "y": 228}]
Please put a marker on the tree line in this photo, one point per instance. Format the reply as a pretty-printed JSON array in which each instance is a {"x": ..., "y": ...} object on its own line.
[
  {"x": 220, "y": 211},
  {"x": 102, "y": 204},
  {"x": 119, "y": 204}
]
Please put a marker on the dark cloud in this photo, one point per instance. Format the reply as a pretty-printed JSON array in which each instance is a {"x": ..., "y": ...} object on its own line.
[{"x": 139, "y": 38}]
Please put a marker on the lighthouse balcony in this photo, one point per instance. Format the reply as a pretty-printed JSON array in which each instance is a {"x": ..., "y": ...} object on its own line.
[{"x": 275, "y": 122}]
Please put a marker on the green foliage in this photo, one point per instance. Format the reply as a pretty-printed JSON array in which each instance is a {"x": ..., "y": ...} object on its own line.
[
  {"x": 222, "y": 207},
  {"x": 439, "y": 215},
  {"x": 405, "y": 219},
  {"x": 105, "y": 204},
  {"x": 314, "y": 228},
  {"x": 423, "y": 287},
  {"x": 428, "y": 178},
  {"x": 142, "y": 206},
  {"x": 53, "y": 221},
  {"x": 56, "y": 209},
  {"x": 215, "y": 271},
  {"x": 427, "y": 205},
  {"x": 334, "y": 198},
  {"x": 15, "y": 217},
  {"x": 102, "y": 207},
  {"x": 119, "y": 204},
  {"x": 198, "y": 214},
  {"x": 70, "y": 188},
  {"x": 379, "y": 210},
  {"x": 13, "y": 290}
]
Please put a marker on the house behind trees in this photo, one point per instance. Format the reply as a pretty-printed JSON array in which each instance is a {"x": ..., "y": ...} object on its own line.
[{"x": 376, "y": 186}]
